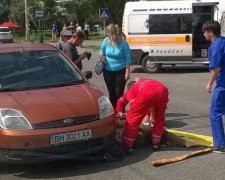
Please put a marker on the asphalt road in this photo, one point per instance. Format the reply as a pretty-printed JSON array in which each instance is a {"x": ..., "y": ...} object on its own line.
[{"x": 187, "y": 110}]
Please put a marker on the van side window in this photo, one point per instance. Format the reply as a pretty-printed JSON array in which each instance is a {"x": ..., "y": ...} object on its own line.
[{"x": 170, "y": 24}]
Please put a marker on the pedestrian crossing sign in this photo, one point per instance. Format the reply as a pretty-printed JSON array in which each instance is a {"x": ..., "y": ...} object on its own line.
[{"x": 103, "y": 13}]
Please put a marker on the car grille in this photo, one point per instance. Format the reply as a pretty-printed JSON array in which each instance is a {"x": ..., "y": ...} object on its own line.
[{"x": 65, "y": 122}]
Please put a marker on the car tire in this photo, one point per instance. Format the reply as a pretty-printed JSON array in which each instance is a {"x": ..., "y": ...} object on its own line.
[{"x": 149, "y": 66}]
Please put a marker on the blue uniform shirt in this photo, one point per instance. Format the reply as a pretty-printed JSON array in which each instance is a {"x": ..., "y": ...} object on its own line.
[
  {"x": 217, "y": 59},
  {"x": 117, "y": 57}
]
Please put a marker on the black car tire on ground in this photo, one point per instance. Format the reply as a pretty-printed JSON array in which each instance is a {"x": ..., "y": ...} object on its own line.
[{"x": 149, "y": 66}]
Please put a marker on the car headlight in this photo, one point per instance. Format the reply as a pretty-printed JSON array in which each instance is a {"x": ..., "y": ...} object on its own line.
[
  {"x": 13, "y": 119},
  {"x": 105, "y": 107}
]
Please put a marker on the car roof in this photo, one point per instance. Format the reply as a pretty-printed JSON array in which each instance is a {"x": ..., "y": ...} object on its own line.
[{"x": 15, "y": 47}]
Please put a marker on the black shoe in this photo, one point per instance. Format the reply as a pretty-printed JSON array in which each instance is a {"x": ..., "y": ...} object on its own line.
[
  {"x": 129, "y": 150},
  {"x": 107, "y": 157},
  {"x": 155, "y": 147},
  {"x": 220, "y": 150}
]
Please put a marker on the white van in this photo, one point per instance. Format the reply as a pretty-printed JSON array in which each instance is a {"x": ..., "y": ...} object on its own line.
[{"x": 169, "y": 32}]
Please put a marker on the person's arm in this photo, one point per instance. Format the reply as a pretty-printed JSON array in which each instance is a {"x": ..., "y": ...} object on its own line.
[
  {"x": 67, "y": 51},
  {"x": 127, "y": 74},
  {"x": 102, "y": 50},
  {"x": 216, "y": 59},
  {"x": 102, "y": 58},
  {"x": 121, "y": 104},
  {"x": 213, "y": 75},
  {"x": 128, "y": 60},
  {"x": 80, "y": 58}
]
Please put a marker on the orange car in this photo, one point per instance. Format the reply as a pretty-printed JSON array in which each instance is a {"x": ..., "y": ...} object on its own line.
[{"x": 48, "y": 108}]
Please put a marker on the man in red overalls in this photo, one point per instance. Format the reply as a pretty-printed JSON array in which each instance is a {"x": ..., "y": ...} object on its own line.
[{"x": 142, "y": 96}]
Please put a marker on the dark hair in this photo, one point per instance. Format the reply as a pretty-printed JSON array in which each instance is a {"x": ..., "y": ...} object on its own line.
[
  {"x": 130, "y": 84},
  {"x": 212, "y": 26},
  {"x": 79, "y": 34}
]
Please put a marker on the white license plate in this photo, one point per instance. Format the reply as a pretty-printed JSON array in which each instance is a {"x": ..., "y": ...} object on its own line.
[{"x": 71, "y": 136}]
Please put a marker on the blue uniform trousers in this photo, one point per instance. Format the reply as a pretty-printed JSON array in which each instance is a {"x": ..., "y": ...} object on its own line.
[{"x": 217, "y": 110}]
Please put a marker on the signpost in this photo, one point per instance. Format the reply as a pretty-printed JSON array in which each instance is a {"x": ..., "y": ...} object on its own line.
[
  {"x": 103, "y": 15},
  {"x": 26, "y": 21},
  {"x": 39, "y": 16}
]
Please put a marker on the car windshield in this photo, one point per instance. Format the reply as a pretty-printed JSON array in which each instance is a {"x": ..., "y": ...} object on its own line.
[
  {"x": 5, "y": 30},
  {"x": 36, "y": 70}
]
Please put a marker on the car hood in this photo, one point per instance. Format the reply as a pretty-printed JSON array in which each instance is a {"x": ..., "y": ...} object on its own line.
[{"x": 53, "y": 103}]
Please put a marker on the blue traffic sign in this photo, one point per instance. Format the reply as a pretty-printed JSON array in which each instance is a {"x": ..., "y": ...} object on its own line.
[
  {"x": 103, "y": 13},
  {"x": 39, "y": 14}
]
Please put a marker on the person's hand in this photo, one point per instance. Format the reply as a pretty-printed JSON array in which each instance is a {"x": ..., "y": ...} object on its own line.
[
  {"x": 127, "y": 76},
  {"x": 83, "y": 56},
  {"x": 120, "y": 115},
  {"x": 88, "y": 54},
  {"x": 208, "y": 87},
  {"x": 103, "y": 61},
  {"x": 85, "y": 53},
  {"x": 102, "y": 58}
]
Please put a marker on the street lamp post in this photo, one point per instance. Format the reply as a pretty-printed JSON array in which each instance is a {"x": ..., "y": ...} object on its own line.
[{"x": 26, "y": 20}]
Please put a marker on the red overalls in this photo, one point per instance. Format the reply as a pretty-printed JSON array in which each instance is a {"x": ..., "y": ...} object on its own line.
[{"x": 143, "y": 95}]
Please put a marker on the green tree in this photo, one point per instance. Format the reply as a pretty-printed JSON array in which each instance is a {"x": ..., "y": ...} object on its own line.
[
  {"x": 75, "y": 10},
  {"x": 78, "y": 11},
  {"x": 50, "y": 12},
  {"x": 17, "y": 9},
  {"x": 4, "y": 10},
  {"x": 115, "y": 9},
  {"x": 88, "y": 10}
]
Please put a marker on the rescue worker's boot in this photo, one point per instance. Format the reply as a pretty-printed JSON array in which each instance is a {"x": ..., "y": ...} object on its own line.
[
  {"x": 155, "y": 147},
  {"x": 129, "y": 150}
]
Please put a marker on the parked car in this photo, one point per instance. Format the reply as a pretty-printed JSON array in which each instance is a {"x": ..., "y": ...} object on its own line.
[
  {"x": 97, "y": 27},
  {"x": 48, "y": 108},
  {"x": 6, "y": 35}
]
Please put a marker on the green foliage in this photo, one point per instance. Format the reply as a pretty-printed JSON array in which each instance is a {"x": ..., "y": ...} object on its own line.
[
  {"x": 88, "y": 10},
  {"x": 115, "y": 9},
  {"x": 75, "y": 10},
  {"x": 17, "y": 11},
  {"x": 50, "y": 13}
]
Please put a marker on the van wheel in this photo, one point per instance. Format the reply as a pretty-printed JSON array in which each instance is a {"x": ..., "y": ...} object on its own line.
[{"x": 149, "y": 66}]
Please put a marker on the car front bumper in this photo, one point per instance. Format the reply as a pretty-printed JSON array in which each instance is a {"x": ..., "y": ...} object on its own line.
[
  {"x": 30, "y": 146},
  {"x": 77, "y": 150}
]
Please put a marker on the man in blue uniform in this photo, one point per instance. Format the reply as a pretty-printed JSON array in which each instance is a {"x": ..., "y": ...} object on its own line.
[{"x": 212, "y": 31}]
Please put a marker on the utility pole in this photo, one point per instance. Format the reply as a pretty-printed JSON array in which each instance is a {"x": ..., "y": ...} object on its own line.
[{"x": 26, "y": 20}]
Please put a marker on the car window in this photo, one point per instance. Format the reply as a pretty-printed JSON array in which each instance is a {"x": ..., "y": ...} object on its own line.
[
  {"x": 5, "y": 30},
  {"x": 36, "y": 69}
]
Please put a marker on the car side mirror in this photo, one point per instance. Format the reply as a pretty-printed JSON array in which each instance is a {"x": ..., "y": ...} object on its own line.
[{"x": 88, "y": 74}]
